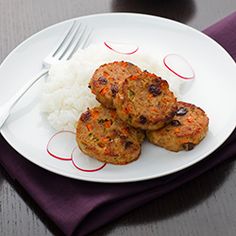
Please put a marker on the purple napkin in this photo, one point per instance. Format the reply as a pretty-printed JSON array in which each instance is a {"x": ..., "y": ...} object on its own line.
[{"x": 78, "y": 207}]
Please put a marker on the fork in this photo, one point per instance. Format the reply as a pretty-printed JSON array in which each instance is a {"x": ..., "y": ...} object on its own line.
[{"x": 76, "y": 37}]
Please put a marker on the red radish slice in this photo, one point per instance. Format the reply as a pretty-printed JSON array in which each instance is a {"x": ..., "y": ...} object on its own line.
[
  {"x": 84, "y": 162},
  {"x": 122, "y": 48},
  {"x": 179, "y": 66},
  {"x": 61, "y": 144}
]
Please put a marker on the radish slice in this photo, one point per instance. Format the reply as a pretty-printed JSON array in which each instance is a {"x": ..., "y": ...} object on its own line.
[
  {"x": 179, "y": 66},
  {"x": 61, "y": 144},
  {"x": 122, "y": 48},
  {"x": 85, "y": 163}
]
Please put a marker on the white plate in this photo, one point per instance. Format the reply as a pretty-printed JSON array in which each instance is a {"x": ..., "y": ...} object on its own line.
[{"x": 213, "y": 90}]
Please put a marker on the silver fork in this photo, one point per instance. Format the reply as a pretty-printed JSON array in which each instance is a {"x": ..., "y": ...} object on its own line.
[{"x": 77, "y": 36}]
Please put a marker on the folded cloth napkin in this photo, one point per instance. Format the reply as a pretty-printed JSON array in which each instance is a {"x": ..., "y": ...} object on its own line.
[{"x": 79, "y": 207}]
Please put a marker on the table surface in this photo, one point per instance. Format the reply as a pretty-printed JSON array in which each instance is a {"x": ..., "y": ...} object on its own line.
[{"x": 205, "y": 206}]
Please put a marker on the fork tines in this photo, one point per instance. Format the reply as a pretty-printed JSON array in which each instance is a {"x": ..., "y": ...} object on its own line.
[{"x": 77, "y": 37}]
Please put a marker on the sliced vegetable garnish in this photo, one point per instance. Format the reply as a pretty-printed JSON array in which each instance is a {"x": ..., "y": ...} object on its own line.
[
  {"x": 122, "y": 48},
  {"x": 61, "y": 144},
  {"x": 85, "y": 163},
  {"x": 179, "y": 66}
]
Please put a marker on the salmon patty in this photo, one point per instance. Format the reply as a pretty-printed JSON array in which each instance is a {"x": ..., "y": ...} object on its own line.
[
  {"x": 188, "y": 127},
  {"x": 102, "y": 135},
  {"x": 145, "y": 101},
  {"x": 107, "y": 79}
]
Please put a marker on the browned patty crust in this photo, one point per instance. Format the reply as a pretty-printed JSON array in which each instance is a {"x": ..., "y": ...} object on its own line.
[
  {"x": 188, "y": 127},
  {"x": 107, "y": 79},
  {"x": 145, "y": 101},
  {"x": 102, "y": 135}
]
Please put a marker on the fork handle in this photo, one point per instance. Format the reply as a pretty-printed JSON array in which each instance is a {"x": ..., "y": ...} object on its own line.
[{"x": 5, "y": 109}]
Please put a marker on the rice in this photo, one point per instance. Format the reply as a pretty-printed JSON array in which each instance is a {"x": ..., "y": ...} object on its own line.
[{"x": 65, "y": 94}]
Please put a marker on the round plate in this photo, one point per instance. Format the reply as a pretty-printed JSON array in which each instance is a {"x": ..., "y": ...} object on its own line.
[{"x": 213, "y": 89}]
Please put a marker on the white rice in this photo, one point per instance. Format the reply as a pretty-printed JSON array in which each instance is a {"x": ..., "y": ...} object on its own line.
[{"x": 66, "y": 95}]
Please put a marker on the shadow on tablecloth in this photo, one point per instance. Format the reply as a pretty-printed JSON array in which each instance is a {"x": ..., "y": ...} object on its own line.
[{"x": 179, "y": 10}]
